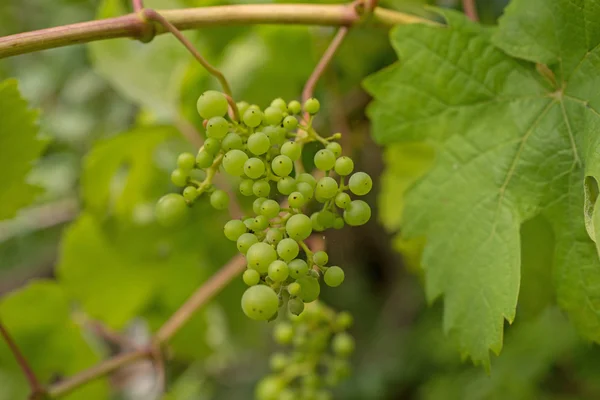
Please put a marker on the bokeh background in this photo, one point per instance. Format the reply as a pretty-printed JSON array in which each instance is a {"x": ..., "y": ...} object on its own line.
[{"x": 88, "y": 251}]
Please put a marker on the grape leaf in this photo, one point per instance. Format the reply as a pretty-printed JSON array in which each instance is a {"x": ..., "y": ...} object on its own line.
[
  {"x": 38, "y": 318},
  {"x": 512, "y": 140},
  {"x": 19, "y": 148}
]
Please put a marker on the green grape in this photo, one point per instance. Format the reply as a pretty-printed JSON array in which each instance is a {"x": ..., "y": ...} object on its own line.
[
  {"x": 324, "y": 160},
  {"x": 310, "y": 289},
  {"x": 306, "y": 190},
  {"x": 295, "y": 306},
  {"x": 260, "y": 223},
  {"x": 294, "y": 107},
  {"x": 232, "y": 141},
  {"x": 260, "y": 255},
  {"x": 298, "y": 227},
  {"x": 335, "y": 148},
  {"x": 357, "y": 213},
  {"x": 320, "y": 258},
  {"x": 261, "y": 188},
  {"x": 246, "y": 187},
  {"x": 251, "y": 277},
  {"x": 326, "y": 218},
  {"x": 217, "y": 127},
  {"x": 276, "y": 134},
  {"x": 313, "y": 273},
  {"x": 260, "y": 302},
  {"x": 344, "y": 166},
  {"x": 296, "y": 200},
  {"x": 283, "y": 333},
  {"x": 334, "y": 276},
  {"x": 233, "y": 162},
  {"x": 282, "y": 165},
  {"x": 326, "y": 188},
  {"x": 274, "y": 236},
  {"x": 212, "y": 104},
  {"x": 286, "y": 185},
  {"x": 252, "y": 117},
  {"x": 342, "y": 200},
  {"x": 292, "y": 150},
  {"x": 190, "y": 193},
  {"x": 179, "y": 177},
  {"x": 212, "y": 146},
  {"x": 360, "y": 183},
  {"x": 242, "y": 106},
  {"x": 290, "y": 123},
  {"x": 171, "y": 210},
  {"x": 273, "y": 115},
  {"x": 234, "y": 229},
  {"x": 245, "y": 241},
  {"x": 204, "y": 159},
  {"x": 312, "y": 106},
  {"x": 219, "y": 199},
  {"x": 254, "y": 168},
  {"x": 288, "y": 249},
  {"x": 343, "y": 344},
  {"x": 269, "y": 208},
  {"x": 258, "y": 143},
  {"x": 278, "y": 362},
  {"x": 344, "y": 320},
  {"x": 279, "y": 103},
  {"x": 278, "y": 271},
  {"x": 186, "y": 161},
  {"x": 307, "y": 178},
  {"x": 298, "y": 268},
  {"x": 338, "y": 223},
  {"x": 257, "y": 204},
  {"x": 316, "y": 224},
  {"x": 294, "y": 288},
  {"x": 249, "y": 223}
]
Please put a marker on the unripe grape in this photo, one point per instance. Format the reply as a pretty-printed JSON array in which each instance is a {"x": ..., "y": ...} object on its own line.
[
  {"x": 232, "y": 141},
  {"x": 343, "y": 320},
  {"x": 278, "y": 271},
  {"x": 357, "y": 213},
  {"x": 335, "y": 148},
  {"x": 260, "y": 302},
  {"x": 298, "y": 227},
  {"x": 294, "y": 107},
  {"x": 294, "y": 288},
  {"x": 312, "y": 106},
  {"x": 212, "y": 104},
  {"x": 338, "y": 223},
  {"x": 286, "y": 185},
  {"x": 320, "y": 258},
  {"x": 274, "y": 236},
  {"x": 217, "y": 127},
  {"x": 219, "y": 199},
  {"x": 282, "y": 165},
  {"x": 171, "y": 210},
  {"x": 316, "y": 224},
  {"x": 344, "y": 166},
  {"x": 242, "y": 106},
  {"x": 252, "y": 117},
  {"x": 310, "y": 289},
  {"x": 261, "y": 188},
  {"x": 292, "y": 150},
  {"x": 257, "y": 204},
  {"x": 179, "y": 177},
  {"x": 258, "y": 143},
  {"x": 245, "y": 241},
  {"x": 295, "y": 306},
  {"x": 260, "y": 223},
  {"x": 186, "y": 161},
  {"x": 298, "y": 268},
  {"x": 276, "y": 134},
  {"x": 296, "y": 200},
  {"x": 306, "y": 190},
  {"x": 283, "y": 333},
  {"x": 290, "y": 123},
  {"x": 260, "y": 255},
  {"x": 234, "y": 229},
  {"x": 288, "y": 249},
  {"x": 324, "y": 160},
  {"x": 204, "y": 159},
  {"x": 280, "y": 104},
  {"x": 326, "y": 188},
  {"x": 233, "y": 162},
  {"x": 269, "y": 208},
  {"x": 254, "y": 168},
  {"x": 326, "y": 218},
  {"x": 278, "y": 361},
  {"x": 342, "y": 200},
  {"x": 190, "y": 193},
  {"x": 246, "y": 187},
  {"x": 360, "y": 183},
  {"x": 313, "y": 273},
  {"x": 334, "y": 276},
  {"x": 251, "y": 277},
  {"x": 273, "y": 115},
  {"x": 212, "y": 146},
  {"x": 343, "y": 344}
]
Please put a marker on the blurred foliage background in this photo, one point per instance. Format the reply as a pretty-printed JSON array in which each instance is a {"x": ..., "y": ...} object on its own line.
[{"x": 88, "y": 250}]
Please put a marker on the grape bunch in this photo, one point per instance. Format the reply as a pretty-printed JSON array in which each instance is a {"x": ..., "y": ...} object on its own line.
[
  {"x": 263, "y": 150},
  {"x": 317, "y": 361}
]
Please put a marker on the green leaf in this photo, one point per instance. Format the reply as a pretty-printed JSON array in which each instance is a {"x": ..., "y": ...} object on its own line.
[
  {"x": 512, "y": 141},
  {"x": 38, "y": 318},
  {"x": 19, "y": 148}
]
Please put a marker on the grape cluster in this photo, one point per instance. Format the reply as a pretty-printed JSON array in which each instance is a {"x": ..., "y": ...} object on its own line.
[
  {"x": 263, "y": 149},
  {"x": 318, "y": 360}
]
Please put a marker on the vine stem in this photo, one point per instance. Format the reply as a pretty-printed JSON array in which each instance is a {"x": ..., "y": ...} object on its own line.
[
  {"x": 34, "y": 384},
  {"x": 138, "y": 5},
  {"x": 131, "y": 25},
  {"x": 470, "y": 10}
]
